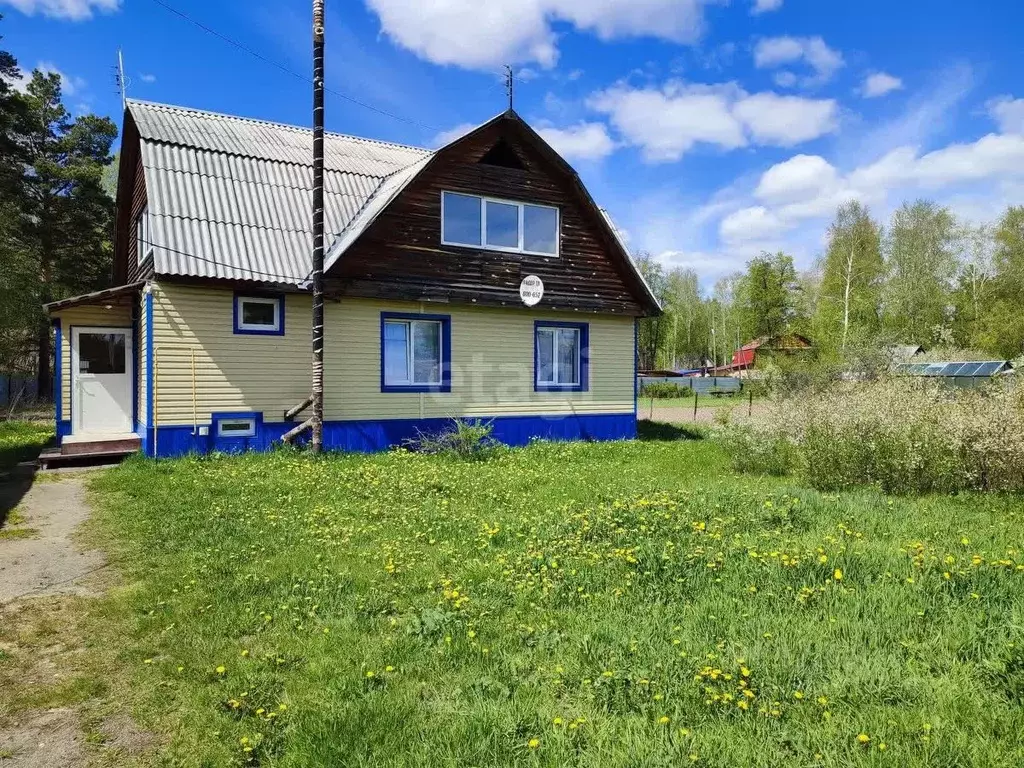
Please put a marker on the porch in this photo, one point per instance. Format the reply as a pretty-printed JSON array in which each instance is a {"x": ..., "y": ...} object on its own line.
[{"x": 96, "y": 375}]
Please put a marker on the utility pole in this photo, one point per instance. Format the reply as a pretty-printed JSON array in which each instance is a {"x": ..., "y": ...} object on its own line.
[{"x": 318, "y": 226}]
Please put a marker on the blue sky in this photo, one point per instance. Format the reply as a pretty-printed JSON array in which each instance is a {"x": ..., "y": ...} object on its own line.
[{"x": 710, "y": 129}]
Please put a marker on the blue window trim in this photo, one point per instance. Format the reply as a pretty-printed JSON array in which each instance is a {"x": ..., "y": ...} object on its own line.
[
  {"x": 216, "y": 418},
  {"x": 446, "y": 353},
  {"x": 584, "y": 384},
  {"x": 236, "y": 319}
]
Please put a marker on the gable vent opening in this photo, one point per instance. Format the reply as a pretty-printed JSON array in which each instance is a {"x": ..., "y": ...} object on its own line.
[{"x": 502, "y": 155}]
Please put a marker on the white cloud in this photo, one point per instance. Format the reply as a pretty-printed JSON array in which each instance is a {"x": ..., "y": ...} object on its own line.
[
  {"x": 786, "y": 120},
  {"x": 764, "y": 6},
  {"x": 667, "y": 122},
  {"x": 73, "y": 10},
  {"x": 147, "y": 78},
  {"x": 475, "y": 35},
  {"x": 878, "y": 84},
  {"x": 799, "y": 178},
  {"x": 447, "y": 137},
  {"x": 70, "y": 85},
  {"x": 1008, "y": 113},
  {"x": 807, "y": 187},
  {"x": 755, "y": 223},
  {"x": 773, "y": 52},
  {"x": 583, "y": 141}
]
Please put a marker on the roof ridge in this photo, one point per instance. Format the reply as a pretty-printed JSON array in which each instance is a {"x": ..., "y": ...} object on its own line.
[{"x": 287, "y": 126}]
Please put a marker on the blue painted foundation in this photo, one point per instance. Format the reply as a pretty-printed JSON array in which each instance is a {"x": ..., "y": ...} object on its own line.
[{"x": 379, "y": 435}]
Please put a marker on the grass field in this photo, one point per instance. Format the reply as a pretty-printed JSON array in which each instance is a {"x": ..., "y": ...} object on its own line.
[
  {"x": 560, "y": 605},
  {"x": 22, "y": 441}
]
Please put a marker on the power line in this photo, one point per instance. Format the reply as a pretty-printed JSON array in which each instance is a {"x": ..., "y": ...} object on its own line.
[
  {"x": 286, "y": 70},
  {"x": 290, "y": 279}
]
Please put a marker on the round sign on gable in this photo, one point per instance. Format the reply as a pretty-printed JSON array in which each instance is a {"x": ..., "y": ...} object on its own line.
[{"x": 531, "y": 290}]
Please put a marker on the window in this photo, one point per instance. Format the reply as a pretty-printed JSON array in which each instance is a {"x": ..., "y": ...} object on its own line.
[
  {"x": 259, "y": 315},
  {"x": 236, "y": 427},
  {"x": 415, "y": 353},
  {"x": 143, "y": 238},
  {"x": 100, "y": 353},
  {"x": 561, "y": 352},
  {"x": 500, "y": 225}
]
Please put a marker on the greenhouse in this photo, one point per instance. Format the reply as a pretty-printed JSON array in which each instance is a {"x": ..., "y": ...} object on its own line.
[{"x": 961, "y": 374}]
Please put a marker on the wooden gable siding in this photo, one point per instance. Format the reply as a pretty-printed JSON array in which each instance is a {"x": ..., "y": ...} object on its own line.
[
  {"x": 400, "y": 256},
  {"x": 131, "y": 199}
]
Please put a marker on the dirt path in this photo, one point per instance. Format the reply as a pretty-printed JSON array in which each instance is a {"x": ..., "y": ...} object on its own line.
[
  {"x": 45, "y": 560},
  {"x": 41, "y": 569},
  {"x": 677, "y": 414}
]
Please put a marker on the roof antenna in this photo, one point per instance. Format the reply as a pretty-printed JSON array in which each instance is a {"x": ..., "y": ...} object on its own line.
[
  {"x": 509, "y": 80},
  {"x": 122, "y": 82}
]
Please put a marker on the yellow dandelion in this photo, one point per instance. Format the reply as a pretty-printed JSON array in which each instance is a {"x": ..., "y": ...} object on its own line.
[
  {"x": 533, "y": 743},
  {"x": 838, "y": 574},
  {"x": 863, "y": 738}
]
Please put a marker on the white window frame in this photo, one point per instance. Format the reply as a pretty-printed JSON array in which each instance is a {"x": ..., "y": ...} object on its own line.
[
  {"x": 143, "y": 235},
  {"x": 522, "y": 232},
  {"x": 248, "y": 431},
  {"x": 409, "y": 361},
  {"x": 555, "y": 364},
  {"x": 274, "y": 302}
]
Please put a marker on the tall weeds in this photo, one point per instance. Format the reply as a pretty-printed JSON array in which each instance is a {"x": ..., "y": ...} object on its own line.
[{"x": 902, "y": 435}]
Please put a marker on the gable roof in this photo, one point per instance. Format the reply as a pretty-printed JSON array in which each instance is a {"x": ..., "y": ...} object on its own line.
[{"x": 230, "y": 197}]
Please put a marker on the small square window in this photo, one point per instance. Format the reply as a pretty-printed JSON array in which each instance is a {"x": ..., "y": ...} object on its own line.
[
  {"x": 561, "y": 357},
  {"x": 236, "y": 427},
  {"x": 259, "y": 315}
]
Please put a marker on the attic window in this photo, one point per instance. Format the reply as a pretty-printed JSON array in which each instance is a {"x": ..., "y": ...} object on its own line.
[{"x": 502, "y": 155}]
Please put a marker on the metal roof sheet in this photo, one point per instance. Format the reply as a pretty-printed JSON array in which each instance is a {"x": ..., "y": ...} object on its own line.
[{"x": 230, "y": 197}]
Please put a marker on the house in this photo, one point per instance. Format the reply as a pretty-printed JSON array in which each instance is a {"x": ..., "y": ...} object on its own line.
[
  {"x": 204, "y": 342},
  {"x": 746, "y": 356}
]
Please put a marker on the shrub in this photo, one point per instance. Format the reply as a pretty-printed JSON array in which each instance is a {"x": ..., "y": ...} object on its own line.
[
  {"x": 664, "y": 390},
  {"x": 902, "y": 435},
  {"x": 760, "y": 451},
  {"x": 463, "y": 438}
]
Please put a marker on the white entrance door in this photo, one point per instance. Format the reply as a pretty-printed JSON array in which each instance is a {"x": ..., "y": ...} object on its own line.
[{"x": 101, "y": 375}]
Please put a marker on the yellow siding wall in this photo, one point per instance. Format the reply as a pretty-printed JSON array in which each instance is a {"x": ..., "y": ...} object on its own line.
[
  {"x": 492, "y": 361},
  {"x": 232, "y": 372},
  {"x": 116, "y": 316}
]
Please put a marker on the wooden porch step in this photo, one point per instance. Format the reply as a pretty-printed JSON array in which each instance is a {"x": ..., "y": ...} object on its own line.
[
  {"x": 54, "y": 457},
  {"x": 92, "y": 447}
]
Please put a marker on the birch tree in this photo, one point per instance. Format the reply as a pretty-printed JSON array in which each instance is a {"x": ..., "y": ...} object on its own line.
[{"x": 849, "y": 298}]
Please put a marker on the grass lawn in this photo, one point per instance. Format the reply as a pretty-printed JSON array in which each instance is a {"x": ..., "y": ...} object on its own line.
[
  {"x": 573, "y": 604},
  {"x": 22, "y": 441}
]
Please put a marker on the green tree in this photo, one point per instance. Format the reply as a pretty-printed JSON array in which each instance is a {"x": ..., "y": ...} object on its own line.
[
  {"x": 767, "y": 296},
  {"x": 62, "y": 218},
  {"x": 921, "y": 265},
  {"x": 651, "y": 331},
  {"x": 1000, "y": 327},
  {"x": 973, "y": 295},
  {"x": 849, "y": 297}
]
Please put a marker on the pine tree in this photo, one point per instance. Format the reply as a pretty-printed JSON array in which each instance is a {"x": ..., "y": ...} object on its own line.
[{"x": 62, "y": 217}]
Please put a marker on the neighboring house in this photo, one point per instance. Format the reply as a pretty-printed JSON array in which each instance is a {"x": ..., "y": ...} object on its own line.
[
  {"x": 789, "y": 344},
  {"x": 205, "y": 342}
]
